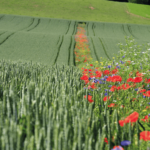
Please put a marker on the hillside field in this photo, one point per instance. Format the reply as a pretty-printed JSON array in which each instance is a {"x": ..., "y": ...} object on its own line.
[
  {"x": 104, "y": 10},
  {"x": 52, "y": 41}
]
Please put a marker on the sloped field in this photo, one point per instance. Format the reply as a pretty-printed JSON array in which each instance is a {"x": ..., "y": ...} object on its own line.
[
  {"x": 52, "y": 41},
  {"x": 38, "y": 39},
  {"x": 104, "y": 37}
]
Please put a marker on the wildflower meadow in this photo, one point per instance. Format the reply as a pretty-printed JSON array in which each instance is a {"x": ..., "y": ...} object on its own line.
[{"x": 120, "y": 85}]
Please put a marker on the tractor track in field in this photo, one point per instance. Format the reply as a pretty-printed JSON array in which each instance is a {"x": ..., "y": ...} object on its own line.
[
  {"x": 29, "y": 25},
  {"x": 68, "y": 27},
  {"x": 130, "y": 31},
  {"x": 58, "y": 49},
  {"x": 104, "y": 48},
  {"x": 35, "y": 25},
  {"x": 7, "y": 38},
  {"x": 94, "y": 50}
]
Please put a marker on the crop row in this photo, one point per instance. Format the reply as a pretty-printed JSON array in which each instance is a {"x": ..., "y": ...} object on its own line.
[{"x": 104, "y": 37}]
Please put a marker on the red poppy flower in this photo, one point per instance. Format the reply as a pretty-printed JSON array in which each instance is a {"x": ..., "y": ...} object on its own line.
[
  {"x": 116, "y": 78},
  {"x": 145, "y": 118},
  {"x": 92, "y": 76},
  {"x": 132, "y": 117},
  {"x": 106, "y": 72},
  {"x": 117, "y": 148},
  {"x": 147, "y": 93},
  {"x": 141, "y": 91},
  {"x": 105, "y": 98},
  {"x": 93, "y": 86},
  {"x": 114, "y": 71},
  {"x": 147, "y": 80},
  {"x": 113, "y": 88},
  {"x": 111, "y": 105},
  {"x": 121, "y": 122},
  {"x": 139, "y": 74},
  {"x": 89, "y": 98},
  {"x": 137, "y": 79},
  {"x": 130, "y": 80},
  {"x": 147, "y": 107},
  {"x": 86, "y": 81},
  {"x": 98, "y": 74},
  {"x": 91, "y": 64},
  {"x": 84, "y": 77},
  {"x": 145, "y": 135},
  {"x": 105, "y": 140},
  {"x": 125, "y": 86},
  {"x": 109, "y": 79}
]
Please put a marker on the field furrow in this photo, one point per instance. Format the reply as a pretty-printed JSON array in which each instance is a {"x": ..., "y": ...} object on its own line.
[
  {"x": 71, "y": 52},
  {"x": 64, "y": 54},
  {"x": 5, "y": 36}
]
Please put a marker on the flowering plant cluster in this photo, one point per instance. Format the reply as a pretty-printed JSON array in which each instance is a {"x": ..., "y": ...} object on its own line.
[
  {"x": 123, "y": 84},
  {"x": 81, "y": 51}
]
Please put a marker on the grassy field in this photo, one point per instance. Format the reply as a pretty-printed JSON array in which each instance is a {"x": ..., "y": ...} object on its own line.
[
  {"x": 139, "y": 9},
  {"x": 51, "y": 41},
  {"x": 105, "y": 11},
  {"x": 43, "y": 40}
]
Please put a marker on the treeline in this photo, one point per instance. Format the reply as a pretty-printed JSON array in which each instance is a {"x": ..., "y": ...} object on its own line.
[{"x": 147, "y": 2}]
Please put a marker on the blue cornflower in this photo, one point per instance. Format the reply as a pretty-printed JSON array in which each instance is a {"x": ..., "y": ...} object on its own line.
[
  {"x": 136, "y": 89},
  {"x": 90, "y": 78},
  {"x": 105, "y": 77},
  {"x": 118, "y": 67},
  {"x": 109, "y": 85},
  {"x": 149, "y": 115},
  {"x": 125, "y": 143},
  {"x": 122, "y": 62},
  {"x": 109, "y": 66},
  {"x": 96, "y": 80},
  {"x": 89, "y": 94},
  {"x": 105, "y": 94},
  {"x": 144, "y": 96},
  {"x": 149, "y": 103},
  {"x": 123, "y": 56},
  {"x": 101, "y": 82}
]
